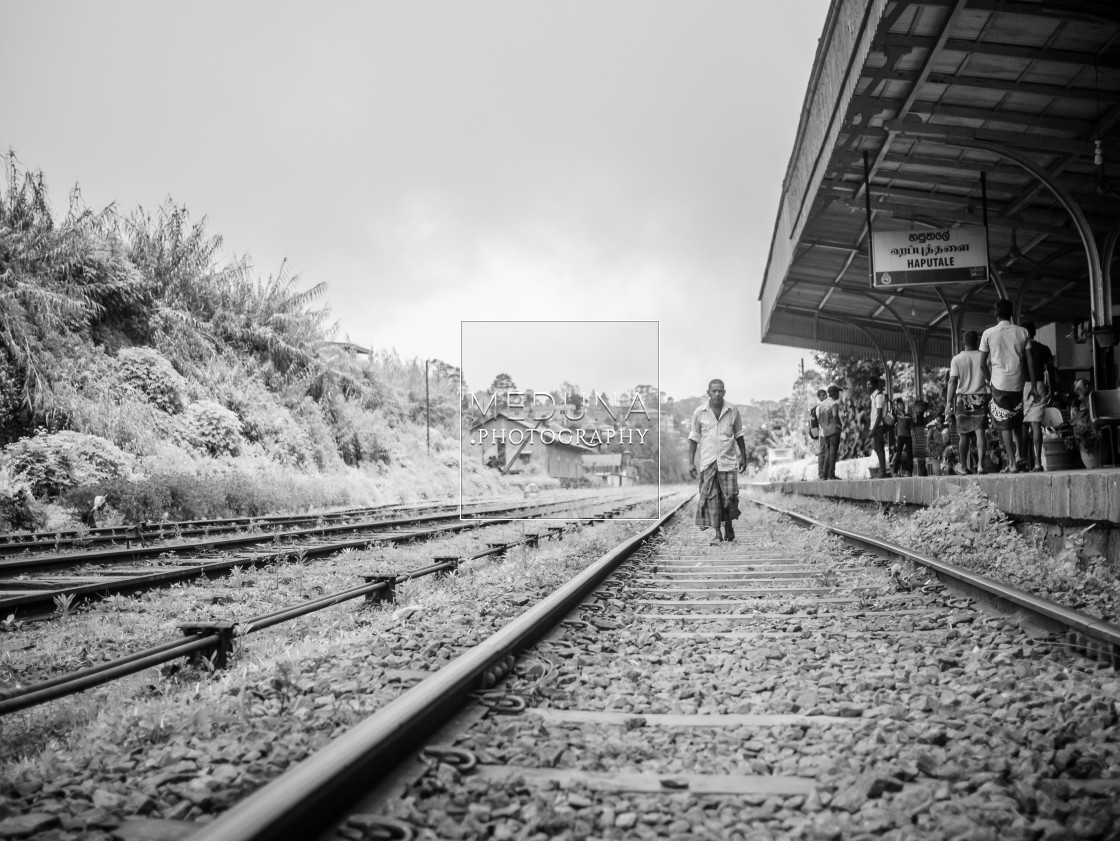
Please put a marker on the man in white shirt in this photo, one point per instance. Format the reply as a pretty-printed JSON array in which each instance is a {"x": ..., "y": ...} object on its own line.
[
  {"x": 815, "y": 432},
  {"x": 1002, "y": 356},
  {"x": 829, "y": 416},
  {"x": 717, "y": 429},
  {"x": 876, "y": 423}
]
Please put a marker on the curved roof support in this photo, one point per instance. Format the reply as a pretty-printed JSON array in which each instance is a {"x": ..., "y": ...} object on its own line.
[
  {"x": 1021, "y": 295},
  {"x": 915, "y": 353},
  {"x": 997, "y": 281},
  {"x": 1100, "y": 297},
  {"x": 954, "y": 323},
  {"x": 866, "y": 333},
  {"x": 894, "y": 314},
  {"x": 1109, "y": 254}
]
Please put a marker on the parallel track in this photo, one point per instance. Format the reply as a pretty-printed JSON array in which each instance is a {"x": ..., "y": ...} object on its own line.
[
  {"x": 31, "y": 586},
  {"x": 712, "y": 692},
  {"x": 213, "y": 639}
]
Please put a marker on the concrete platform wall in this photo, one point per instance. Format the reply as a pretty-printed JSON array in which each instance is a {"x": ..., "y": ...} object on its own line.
[
  {"x": 1076, "y": 495},
  {"x": 1063, "y": 503}
]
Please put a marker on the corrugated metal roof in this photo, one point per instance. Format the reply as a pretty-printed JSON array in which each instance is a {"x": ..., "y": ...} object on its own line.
[{"x": 915, "y": 86}]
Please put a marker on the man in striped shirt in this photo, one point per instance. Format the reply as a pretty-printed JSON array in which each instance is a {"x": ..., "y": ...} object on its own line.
[{"x": 717, "y": 429}]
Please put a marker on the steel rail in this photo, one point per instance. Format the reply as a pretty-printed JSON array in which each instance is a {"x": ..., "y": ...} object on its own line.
[
  {"x": 144, "y": 533},
  {"x": 475, "y": 511},
  {"x": 1104, "y": 636},
  {"x": 160, "y": 528},
  {"x": 78, "y": 681},
  {"x": 13, "y": 566},
  {"x": 204, "y": 568},
  {"x": 97, "y": 675},
  {"x": 70, "y": 677},
  {"x": 296, "y": 804},
  {"x": 149, "y": 580}
]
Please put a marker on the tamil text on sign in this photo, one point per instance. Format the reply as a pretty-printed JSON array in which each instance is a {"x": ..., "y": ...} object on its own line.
[{"x": 920, "y": 258}]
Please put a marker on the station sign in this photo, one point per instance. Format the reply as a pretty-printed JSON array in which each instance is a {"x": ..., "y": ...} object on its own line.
[{"x": 929, "y": 257}]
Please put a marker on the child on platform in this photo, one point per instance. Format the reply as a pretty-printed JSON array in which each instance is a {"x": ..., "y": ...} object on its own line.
[{"x": 903, "y": 462}]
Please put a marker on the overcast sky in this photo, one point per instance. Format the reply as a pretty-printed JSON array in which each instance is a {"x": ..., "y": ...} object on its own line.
[{"x": 435, "y": 162}]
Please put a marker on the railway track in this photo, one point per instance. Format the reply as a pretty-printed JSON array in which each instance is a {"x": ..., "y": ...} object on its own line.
[
  {"x": 209, "y": 641},
  {"x": 15, "y": 543},
  {"x": 34, "y": 586},
  {"x": 783, "y": 686}
]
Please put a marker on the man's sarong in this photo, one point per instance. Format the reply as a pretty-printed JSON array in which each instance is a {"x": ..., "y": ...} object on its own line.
[
  {"x": 719, "y": 497},
  {"x": 971, "y": 409},
  {"x": 1006, "y": 408}
]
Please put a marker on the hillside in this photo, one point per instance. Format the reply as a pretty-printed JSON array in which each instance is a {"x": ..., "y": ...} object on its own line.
[{"x": 136, "y": 364}]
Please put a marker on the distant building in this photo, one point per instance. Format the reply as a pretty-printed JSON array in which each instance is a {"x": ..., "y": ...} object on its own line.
[
  {"x": 518, "y": 446},
  {"x": 612, "y": 469}
]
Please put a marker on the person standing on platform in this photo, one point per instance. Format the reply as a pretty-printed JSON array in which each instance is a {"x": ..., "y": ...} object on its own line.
[
  {"x": 815, "y": 432},
  {"x": 1033, "y": 410},
  {"x": 717, "y": 429},
  {"x": 967, "y": 399},
  {"x": 877, "y": 424},
  {"x": 903, "y": 462},
  {"x": 829, "y": 415},
  {"x": 1079, "y": 402},
  {"x": 1004, "y": 358}
]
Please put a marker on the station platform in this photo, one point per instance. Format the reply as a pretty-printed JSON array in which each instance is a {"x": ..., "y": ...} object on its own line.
[{"x": 1078, "y": 496}]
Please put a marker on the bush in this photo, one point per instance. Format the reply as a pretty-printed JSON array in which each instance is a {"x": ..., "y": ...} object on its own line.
[
  {"x": 52, "y": 463},
  {"x": 147, "y": 372},
  {"x": 16, "y": 504},
  {"x": 136, "y": 501},
  {"x": 211, "y": 429},
  {"x": 323, "y": 453}
]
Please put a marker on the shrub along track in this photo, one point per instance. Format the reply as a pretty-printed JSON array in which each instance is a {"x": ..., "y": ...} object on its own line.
[
  {"x": 36, "y": 587},
  {"x": 778, "y": 687}
]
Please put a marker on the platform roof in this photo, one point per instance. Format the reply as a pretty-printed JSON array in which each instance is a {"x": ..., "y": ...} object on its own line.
[{"x": 936, "y": 93}]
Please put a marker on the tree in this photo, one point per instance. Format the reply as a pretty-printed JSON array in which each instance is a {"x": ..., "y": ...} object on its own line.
[
  {"x": 852, "y": 374},
  {"x": 55, "y": 279},
  {"x": 501, "y": 387}
]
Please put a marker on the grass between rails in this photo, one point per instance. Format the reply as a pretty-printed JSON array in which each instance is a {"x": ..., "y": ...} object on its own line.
[
  {"x": 968, "y": 530},
  {"x": 296, "y": 685}
]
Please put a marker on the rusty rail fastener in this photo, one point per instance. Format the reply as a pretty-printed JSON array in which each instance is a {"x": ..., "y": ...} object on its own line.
[
  {"x": 387, "y": 594},
  {"x": 218, "y": 654},
  {"x": 453, "y": 562}
]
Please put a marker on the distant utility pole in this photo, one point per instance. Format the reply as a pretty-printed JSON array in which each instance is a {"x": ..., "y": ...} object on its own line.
[
  {"x": 803, "y": 367},
  {"x": 427, "y": 408}
]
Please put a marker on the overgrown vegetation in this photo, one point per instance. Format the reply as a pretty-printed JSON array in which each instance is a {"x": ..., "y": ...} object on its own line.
[
  {"x": 138, "y": 362},
  {"x": 965, "y": 528}
]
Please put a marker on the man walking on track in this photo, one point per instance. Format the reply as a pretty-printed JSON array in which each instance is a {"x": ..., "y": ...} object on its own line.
[{"x": 717, "y": 429}]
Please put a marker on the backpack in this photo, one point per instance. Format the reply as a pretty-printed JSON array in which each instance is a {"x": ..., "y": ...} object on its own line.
[{"x": 814, "y": 424}]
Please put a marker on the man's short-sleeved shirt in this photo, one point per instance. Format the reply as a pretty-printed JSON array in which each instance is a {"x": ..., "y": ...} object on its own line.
[
  {"x": 878, "y": 407},
  {"x": 829, "y": 416},
  {"x": 1042, "y": 356},
  {"x": 716, "y": 436},
  {"x": 1005, "y": 345},
  {"x": 966, "y": 367}
]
